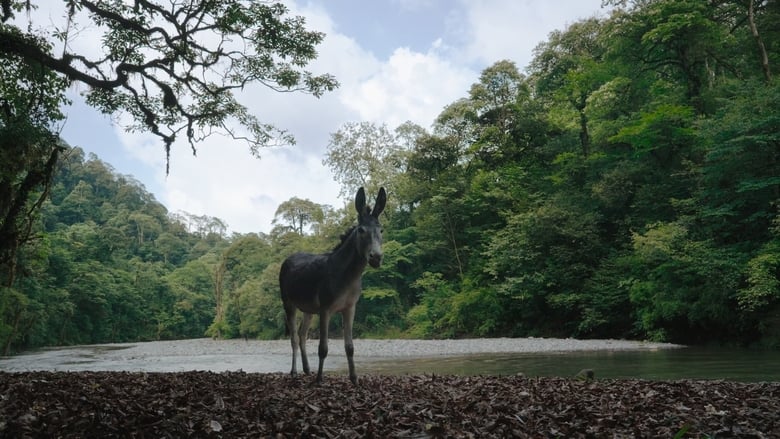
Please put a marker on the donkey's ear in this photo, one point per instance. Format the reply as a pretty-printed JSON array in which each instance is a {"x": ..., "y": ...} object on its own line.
[
  {"x": 381, "y": 199},
  {"x": 360, "y": 201}
]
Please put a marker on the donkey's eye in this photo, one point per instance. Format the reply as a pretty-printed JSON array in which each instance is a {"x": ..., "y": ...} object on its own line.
[{"x": 362, "y": 230}]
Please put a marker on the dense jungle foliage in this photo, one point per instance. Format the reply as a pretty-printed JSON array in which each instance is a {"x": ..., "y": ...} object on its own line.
[{"x": 626, "y": 186}]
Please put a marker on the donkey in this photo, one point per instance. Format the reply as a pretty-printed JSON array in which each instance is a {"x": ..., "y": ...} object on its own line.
[{"x": 329, "y": 283}]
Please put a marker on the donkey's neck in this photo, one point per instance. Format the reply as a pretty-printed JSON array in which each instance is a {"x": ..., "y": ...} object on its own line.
[{"x": 346, "y": 260}]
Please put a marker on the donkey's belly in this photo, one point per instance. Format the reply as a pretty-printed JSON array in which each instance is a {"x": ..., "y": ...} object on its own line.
[
  {"x": 342, "y": 300},
  {"x": 308, "y": 307}
]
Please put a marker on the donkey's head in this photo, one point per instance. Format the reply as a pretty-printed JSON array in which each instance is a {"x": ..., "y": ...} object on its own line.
[{"x": 369, "y": 231}]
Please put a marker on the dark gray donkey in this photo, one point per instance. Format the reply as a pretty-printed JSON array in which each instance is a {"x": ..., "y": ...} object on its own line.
[{"x": 330, "y": 283}]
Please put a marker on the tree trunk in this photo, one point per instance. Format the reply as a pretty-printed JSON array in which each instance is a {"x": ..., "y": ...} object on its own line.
[
  {"x": 12, "y": 333},
  {"x": 584, "y": 134},
  {"x": 451, "y": 231},
  {"x": 759, "y": 41},
  {"x": 219, "y": 311}
]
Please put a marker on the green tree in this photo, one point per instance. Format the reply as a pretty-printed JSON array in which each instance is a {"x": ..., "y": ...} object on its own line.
[
  {"x": 684, "y": 289},
  {"x": 493, "y": 104},
  {"x": 24, "y": 186},
  {"x": 540, "y": 262},
  {"x": 240, "y": 266},
  {"x": 680, "y": 40},
  {"x": 365, "y": 155},
  {"x": 741, "y": 169},
  {"x": 627, "y": 187},
  {"x": 263, "y": 315},
  {"x": 759, "y": 299},
  {"x": 89, "y": 279},
  {"x": 385, "y": 291},
  {"x": 30, "y": 100},
  {"x": 298, "y": 214},
  {"x": 192, "y": 286},
  {"x": 171, "y": 69},
  {"x": 567, "y": 70},
  {"x": 174, "y": 69}
]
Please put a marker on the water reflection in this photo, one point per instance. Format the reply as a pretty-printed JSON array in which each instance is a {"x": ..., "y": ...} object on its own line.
[{"x": 665, "y": 364}]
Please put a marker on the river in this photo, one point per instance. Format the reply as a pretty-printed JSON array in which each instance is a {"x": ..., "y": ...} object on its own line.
[
  {"x": 684, "y": 363},
  {"x": 531, "y": 357}
]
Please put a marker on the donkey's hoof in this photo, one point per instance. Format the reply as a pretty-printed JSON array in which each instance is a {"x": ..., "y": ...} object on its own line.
[{"x": 354, "y": 379}]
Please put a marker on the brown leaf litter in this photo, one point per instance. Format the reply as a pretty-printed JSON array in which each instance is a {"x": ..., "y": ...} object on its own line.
[{"x": 238, "y": 404}]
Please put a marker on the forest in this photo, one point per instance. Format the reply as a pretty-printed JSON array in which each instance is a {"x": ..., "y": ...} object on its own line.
[{"x": 625, "y": 184}]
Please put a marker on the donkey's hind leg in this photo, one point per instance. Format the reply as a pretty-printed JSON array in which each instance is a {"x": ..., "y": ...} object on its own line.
[
  {"x": 323, "y": 347},
  {"x": 290, "y": 312},
  {"x": 303, "y": 335}
]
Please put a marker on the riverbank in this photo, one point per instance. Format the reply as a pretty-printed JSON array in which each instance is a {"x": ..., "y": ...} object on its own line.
[
  {"x": 268, "y": 356},
  {"x": 208, "y": 388},
  {"x": 238, "y": 404}
]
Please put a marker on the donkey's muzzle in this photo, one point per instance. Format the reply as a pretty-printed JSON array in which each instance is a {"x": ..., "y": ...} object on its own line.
[{"x": 375, "y": 260}]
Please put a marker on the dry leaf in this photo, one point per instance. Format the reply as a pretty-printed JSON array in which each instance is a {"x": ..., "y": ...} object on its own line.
[{"x": 110, "y": 404}]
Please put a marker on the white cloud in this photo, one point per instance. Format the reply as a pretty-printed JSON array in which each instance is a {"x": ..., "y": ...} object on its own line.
[
  {"x": 416, "y": 5},
  {"x": 409, "y": 86},
  {"x": 226, "y": 182},
  {"x": 223, "y": 181},
  {"x": 511, "y": 29}
]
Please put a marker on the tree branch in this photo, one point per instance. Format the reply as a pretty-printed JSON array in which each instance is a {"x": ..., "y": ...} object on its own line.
[{"x": 161, "y": 65}]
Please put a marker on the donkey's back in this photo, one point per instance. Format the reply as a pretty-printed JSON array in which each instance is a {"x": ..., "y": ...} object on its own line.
[{"x": 300, "y": 280}]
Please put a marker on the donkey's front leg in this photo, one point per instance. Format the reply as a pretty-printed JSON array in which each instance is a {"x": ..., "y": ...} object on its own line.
[
  {"x": 323, "y": 349},
  {"x": 348, "y": 316}
]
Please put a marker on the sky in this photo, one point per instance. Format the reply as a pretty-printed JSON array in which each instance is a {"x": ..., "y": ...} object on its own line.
[{"x": 396, "y": 61}]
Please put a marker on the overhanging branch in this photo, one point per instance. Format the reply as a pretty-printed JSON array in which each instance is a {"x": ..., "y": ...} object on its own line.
[{"x": 163, "y": 67}]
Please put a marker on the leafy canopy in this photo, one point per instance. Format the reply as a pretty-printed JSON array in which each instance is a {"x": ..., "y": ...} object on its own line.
[{"x": 175, "y": 67}]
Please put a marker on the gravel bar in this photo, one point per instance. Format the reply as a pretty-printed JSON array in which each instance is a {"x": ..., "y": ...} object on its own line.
[{"x": 266, "y": 356}]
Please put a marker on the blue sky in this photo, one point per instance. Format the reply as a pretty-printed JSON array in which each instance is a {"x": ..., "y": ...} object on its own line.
[{"x": 396, "y": 60}]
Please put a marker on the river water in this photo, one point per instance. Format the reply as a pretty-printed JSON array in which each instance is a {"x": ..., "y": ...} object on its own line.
[
  {"x": 684, "y": 363},
  {"x": 531, "y": 357}
]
